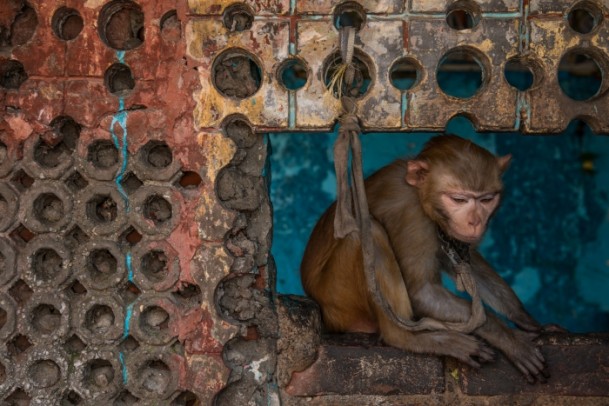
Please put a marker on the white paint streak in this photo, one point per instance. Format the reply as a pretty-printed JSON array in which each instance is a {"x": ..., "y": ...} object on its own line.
[{"x": 254, "y": 366}]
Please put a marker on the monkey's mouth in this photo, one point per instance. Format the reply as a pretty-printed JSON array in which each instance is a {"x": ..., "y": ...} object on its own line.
[{"x": 468, "y": 239}]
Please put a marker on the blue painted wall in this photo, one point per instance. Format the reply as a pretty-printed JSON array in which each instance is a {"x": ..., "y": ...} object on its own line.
[{"x": 549, "y": 240}]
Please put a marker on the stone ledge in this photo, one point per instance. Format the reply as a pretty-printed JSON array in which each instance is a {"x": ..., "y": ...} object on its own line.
[
  {"x": 358, "y": 368},
  {"x": 359, "y": 364},
  {"x": 578, "y": 364}
]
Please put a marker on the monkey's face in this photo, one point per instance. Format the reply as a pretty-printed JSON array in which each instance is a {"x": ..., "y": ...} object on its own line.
[
  {"x": 459, "y": 195},
  {"x": 466, "y": 213}
]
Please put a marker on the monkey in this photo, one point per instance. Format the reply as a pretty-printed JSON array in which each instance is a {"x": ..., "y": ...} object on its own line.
[{"x": 444, "y": 197}]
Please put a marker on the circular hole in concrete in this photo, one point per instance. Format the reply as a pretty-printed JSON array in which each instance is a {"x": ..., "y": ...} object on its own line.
[
  {"x": 48, "y": 208},
  {"x": 44, "y": 373},
  {"x": 190, "y": 180},
  {"x": 46, "y": 264},
  {"x": 67, "y": 23},
  {"x": 584, "y": 17},
  {"x": 157, "y": 155},
  {"x": 3, "y": 152},
  {"x": 335, "y": 75},
  {"x": 21, "y": 292},
  {"x": 463, "y": 15},
  {"x": 121, "y": 24},
  {"x": 154, "y": 318},
  {"x": 129, "y": 344},
  {"x": 12, "y": 74},
  {"x": 126, "y": 399},
  {"x": 119, "y": 79},
  {"x": 349, "y": 14},
  {"x": 21, "y": 180},
  {"x": 77, "y": 288},
  {"x": 463, "y": 67},
  {"x": 101, "y": 263},
  {"x": 240, "y": 131},
  {"x": 24, "y": 25},
  {"x": 46, "y": 319},
  {"x": 155, "y": 376},
  {"x": 520, "y": 73},
  {"x": 236, "y": 73},
  {"x": 74, "y": 345},
  {"x": 131, "y": 183},
  {"x": 579, "y": 75},
  {"x": 99, "y": 318},
  {"x": 99, "y": 373},
  {"x": 157, "y": 209},
  {"x": 102, "y": 154},
  {"x": 67, "y": 130},
  {"x": 50, "y": 155},
  {"x": 188, "y": 293},
  {"x": 154, "y": 265},
  {"x": 76, "y": 182},
  {"x": 186, "y": 398},
  {"x": 18, "y": 345},
  {"x": 131, "y": 236},
  {"x": 238, "y": 17},
  {"x": 293, "y": 74},
  {"x": 171, "y": 27},
  {"x": 18, "y": 397},
  {"x": 405, "y": 73},
  {"x": 71, "y": 398},
  {"x": 102, "y": 209}
]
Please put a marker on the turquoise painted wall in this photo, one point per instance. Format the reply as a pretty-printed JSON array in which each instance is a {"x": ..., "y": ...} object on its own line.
[{"x": 549, "y": 240}]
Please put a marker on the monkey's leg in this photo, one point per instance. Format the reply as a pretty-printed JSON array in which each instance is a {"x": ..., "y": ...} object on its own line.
[
  {"x": 339, "y": 287},
  {"x": 460, "y": 346},
  {"x": 433, "y": 300}
]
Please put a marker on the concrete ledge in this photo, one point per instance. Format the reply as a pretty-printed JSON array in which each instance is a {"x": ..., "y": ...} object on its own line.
[
  {"x": 358, "y": 369},
  {"x": 578, "y": 364},
  {"x": 359, "y": 364}
]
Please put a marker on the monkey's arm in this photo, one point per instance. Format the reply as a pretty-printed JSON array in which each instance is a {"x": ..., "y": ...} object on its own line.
[
  {"x": 495, "y": 292},
  {"x": 431, "y": 299}
]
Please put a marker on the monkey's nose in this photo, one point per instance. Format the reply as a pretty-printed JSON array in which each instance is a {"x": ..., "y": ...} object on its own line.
[{"x": 475, "y": 221}]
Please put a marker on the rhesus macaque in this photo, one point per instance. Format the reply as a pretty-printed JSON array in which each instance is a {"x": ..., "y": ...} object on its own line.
[{"x": 445, "y": 196}]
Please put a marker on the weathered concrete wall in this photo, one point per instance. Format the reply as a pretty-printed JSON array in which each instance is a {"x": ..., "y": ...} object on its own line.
[
  {"x": 542, "y": 38},
  {"x": 111, "y": 237}
]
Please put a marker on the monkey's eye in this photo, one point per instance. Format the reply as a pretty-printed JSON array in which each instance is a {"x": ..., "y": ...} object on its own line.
[
  {"x": 487, "y": 199},
  {"x": 459, "y": 199}
]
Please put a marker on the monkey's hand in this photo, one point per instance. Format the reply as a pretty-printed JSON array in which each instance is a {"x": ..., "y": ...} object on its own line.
[
  {"x": 465, "y": 348},
  {"x": 525, "y": 355}
]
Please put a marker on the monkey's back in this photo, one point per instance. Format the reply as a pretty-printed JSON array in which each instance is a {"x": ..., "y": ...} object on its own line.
[{"x": 332, "y": 269}]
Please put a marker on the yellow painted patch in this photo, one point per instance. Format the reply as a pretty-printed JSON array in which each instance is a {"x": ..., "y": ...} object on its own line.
[
  {"x": 94, "y": 3},
  {"x": 219, "y": 151}
]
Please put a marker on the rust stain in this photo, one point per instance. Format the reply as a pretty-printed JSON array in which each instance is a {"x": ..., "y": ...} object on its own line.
[
  {"x": 194, "y": 331},
  {"x": 21, "y": 128}
]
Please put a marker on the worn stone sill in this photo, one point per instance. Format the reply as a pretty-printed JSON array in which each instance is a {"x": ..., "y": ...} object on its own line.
[{"x": 358, "y": 368}]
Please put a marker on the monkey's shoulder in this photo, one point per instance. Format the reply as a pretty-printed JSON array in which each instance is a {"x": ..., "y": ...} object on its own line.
[{"x": 390, "y": 181}]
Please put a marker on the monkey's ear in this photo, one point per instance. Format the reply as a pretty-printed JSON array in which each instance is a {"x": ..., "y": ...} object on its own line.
[
  {"x": 417, "y": 171},
  {"x": 504, "y": 162}
]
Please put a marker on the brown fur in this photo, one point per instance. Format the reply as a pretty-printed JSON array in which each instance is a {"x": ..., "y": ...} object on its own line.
[{"x": 408, "y": 261}]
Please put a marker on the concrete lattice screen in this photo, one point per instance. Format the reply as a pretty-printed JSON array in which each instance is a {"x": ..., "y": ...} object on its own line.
[{"x": 134, "y": 211}]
